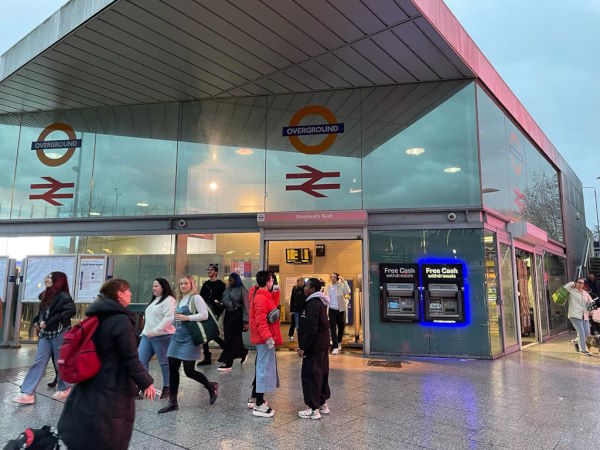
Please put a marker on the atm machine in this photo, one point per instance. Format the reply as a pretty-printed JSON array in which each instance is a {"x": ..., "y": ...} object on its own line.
[
  {"x": 443, "y": 292},
  {"x": 399, "y": 292}
]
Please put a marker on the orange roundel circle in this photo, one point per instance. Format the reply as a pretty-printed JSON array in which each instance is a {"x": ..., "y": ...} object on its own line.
[
  {"x": 55, "y": 162},
  {"x": 316, "y": 110}
]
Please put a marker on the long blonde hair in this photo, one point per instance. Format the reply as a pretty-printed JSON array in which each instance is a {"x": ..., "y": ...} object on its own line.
[{"x": 194, "y": 290}]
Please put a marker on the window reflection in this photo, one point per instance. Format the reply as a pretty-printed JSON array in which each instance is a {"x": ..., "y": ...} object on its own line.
[
  {"x": 9, "y": 140},
  {"x": 420, "y": 146}
]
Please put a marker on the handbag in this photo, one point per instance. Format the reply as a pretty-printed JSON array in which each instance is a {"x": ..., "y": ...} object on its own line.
[
  {"x": 560, "y": 296},
  {"x": 204, "y": 331}
]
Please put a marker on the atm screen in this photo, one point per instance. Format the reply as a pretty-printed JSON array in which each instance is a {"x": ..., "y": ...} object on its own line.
[{"x": 393, "y": 304}]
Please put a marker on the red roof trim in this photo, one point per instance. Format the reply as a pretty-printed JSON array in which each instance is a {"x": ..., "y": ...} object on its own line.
[{"x": 442, "y": 19}]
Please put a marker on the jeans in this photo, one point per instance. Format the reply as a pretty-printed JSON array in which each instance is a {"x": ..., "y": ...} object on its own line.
[
  {"x": 295, "y": 322},
  {"x": 158, "y": 346},
  {"x": 583, "y": 330},
  {"x": 45, "y": 348}
]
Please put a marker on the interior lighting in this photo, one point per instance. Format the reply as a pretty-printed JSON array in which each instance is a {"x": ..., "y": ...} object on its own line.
[
  {"x": 230, "y": 252},
  {"x": 142, "y": 204},
  {"x": 244, "y": 151},
  {"x": 213, "y": 186},
  {"x": 452, "y": 169},
  {"x": 354, "y": 191},
  {"x": 94, "y": 213},
  {"x": 415, "y": 151}
]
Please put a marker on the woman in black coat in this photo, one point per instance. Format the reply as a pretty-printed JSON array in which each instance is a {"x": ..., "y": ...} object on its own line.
[
  {"x": 99, "y": 413},
  {"x": 56, "y": 309}
]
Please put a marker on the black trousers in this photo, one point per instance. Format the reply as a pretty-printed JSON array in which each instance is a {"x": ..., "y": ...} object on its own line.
[
  {"x": 336, "y": 326},
  {"x": 205, "y": 349},
  {"x": 233, "y": 346},
  {"x": 594, "y": 327},
  {"x": 190, "y": 372},
  {"x": 315, "y": 379}
]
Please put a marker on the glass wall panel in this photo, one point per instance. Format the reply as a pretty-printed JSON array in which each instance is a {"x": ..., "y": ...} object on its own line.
[
  {"x": 313, "y": 170},
  {"x": 9, "y": 141},
  {"x": 555, "y": 276},
  {"x": 517, "y": 180},
  {"x": 492, "y": 294},
  {"x": 541, "y": 294},
  {"x": 411, "y": 246},
  {"x": 420, "y": 146},
  {"x": 507, "y": 286},
  {"x": 54, "y": 182},
  {"x": 221, "y": 157},
  {"x": 135, "y": 161}
]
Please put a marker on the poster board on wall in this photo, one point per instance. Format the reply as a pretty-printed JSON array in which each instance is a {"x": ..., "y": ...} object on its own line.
[
  {"x": 91, "y": 274},
  {"x": 36, "y": 269}
]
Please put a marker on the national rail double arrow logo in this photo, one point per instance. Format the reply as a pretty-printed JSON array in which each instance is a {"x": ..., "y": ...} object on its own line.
[
  {"x": 310, "y": 186},
  {"x": 53, "y": 187}
]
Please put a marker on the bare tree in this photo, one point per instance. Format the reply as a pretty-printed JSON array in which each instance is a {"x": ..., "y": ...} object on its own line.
[{"x": 542, "y": 205}]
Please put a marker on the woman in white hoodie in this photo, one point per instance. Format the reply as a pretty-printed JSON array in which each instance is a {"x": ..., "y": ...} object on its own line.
[{"x": 158, "y": 329}]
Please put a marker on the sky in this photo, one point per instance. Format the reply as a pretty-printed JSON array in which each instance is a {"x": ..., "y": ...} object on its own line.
[{"x": 546, "y": 51}]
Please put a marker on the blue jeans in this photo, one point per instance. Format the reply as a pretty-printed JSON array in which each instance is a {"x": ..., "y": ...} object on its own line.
[
  {"x": 45, "y": 348},
  {"x": 158, "y": 346},
  {"x": 295, "y": 322},
  {"x": 583, "y": 330}
]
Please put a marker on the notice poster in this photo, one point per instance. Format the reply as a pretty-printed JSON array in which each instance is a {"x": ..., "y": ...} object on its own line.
[
  {"x": 38, "y": 267},
  {"x": 3, "y": 277},
  {"x": 237, "y": 266},
  {"x": 91, "y": 272}
]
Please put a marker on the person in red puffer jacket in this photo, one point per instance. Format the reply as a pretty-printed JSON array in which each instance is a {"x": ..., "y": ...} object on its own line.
[{"x": 265, "y": 336}]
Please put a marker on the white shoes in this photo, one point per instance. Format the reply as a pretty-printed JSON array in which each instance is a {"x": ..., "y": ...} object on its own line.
[
  {"x": 61, "y": 395},
  {"x": 262, "y": 411},
  {"x": 25, "y": 399},
  {"x": 324, "y": 409},
  {"x": 291, "y": 338},
  {"x": 335, "y": 351},
  {"x": 309, "y": 413}
]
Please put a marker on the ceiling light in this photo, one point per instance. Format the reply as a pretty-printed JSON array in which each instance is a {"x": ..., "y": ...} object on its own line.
[
  {"x": 452, "y": 169},
  {"x": 213, "y": 186},
  {"x": 415, "y": 151},
  {"x": 142, "y": 204},
  {"x": 94, "y": 213},
  {"x": 244, "y": 151},
  {"x": 230, "y": 252},
  {"x": 354, "y": 191}
]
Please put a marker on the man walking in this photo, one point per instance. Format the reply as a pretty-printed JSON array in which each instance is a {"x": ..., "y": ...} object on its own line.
[
  {"x": 212, "y": 293},
  {"x": 313, "y": 348},
  {"x": 296, "y": 305},
  {"x": 337, "y": 291}
]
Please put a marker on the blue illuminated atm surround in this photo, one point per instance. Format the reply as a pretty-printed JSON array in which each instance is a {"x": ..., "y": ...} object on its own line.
[{"x": 466, "y": 297}]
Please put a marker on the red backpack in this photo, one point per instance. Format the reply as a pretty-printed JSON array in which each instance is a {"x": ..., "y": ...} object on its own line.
[{"x": 77, "y": 359}]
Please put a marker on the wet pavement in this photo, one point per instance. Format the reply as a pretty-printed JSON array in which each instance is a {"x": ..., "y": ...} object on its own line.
[{"x": 545, "y": 397}]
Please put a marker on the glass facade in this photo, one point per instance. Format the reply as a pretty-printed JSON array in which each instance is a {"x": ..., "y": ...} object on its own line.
[
  {"x": 409, "y": 146},
  {"x": 492, "y": 292},
  {"x": 517, "y": 181},
  {"x": 555, "y": 276}
]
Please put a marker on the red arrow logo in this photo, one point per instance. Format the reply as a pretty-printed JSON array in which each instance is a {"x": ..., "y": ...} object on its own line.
[
  {"x": 50, "y": 194},
  {"x": 310, "y": 185}
]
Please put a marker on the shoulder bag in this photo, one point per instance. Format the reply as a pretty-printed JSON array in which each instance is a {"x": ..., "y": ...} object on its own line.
[
  {"x": 204, "y": 331},
  {"x": 273, "y": 315}
]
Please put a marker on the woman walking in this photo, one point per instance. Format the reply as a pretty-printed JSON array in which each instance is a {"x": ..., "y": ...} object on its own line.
[
  {"x": 56, "y": 309},
  {"x": 100, "y": 411},
  {"x": 265, "y": 336},
  {"x": 191, "y": 307},
  {"x": 578, "y": 313},
  {"x": 235, "y": 322},
  {"x": 158, "y": 329}
]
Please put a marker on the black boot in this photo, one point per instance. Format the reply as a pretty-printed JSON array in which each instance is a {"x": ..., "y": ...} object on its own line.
[
  {"x": 171, "y": 406},
  {"x": 206, "y": 361},
  {"x": 213, "y": 391},
  {"x": 166, "y": 393},
  {"x": 53, "y": 383}
]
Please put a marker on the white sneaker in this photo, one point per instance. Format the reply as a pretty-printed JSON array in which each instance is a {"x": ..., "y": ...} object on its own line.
[
  {"x": 61, "y": 395},
  {"x": 324, "y": 409},
  {"x": 309, "y": 413},
  {"x": 252, "y": 402},
  {"x": 224, "y": 369},
  {"x": 262, "y": 411},
  {"x": 291, "y": 338},
  {"x": 25, "y": 399},
  {"x": 335, "y": 351}
]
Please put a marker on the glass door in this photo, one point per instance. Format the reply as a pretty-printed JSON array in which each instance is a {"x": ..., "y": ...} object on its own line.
[
  {"x": 507, "y": 291},
  {"x": 492, "y": 293},
  {"x": 542, "y": 302}
]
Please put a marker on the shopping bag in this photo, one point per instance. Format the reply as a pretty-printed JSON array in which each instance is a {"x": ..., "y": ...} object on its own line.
[{"x": 560, "y": 296}]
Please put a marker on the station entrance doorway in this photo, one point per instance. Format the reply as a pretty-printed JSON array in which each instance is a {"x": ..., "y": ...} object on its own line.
[{"x": 293, "y": 259}]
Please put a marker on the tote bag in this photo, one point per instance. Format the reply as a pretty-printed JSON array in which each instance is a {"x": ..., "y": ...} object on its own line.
[{"x": 204, "y": 331}]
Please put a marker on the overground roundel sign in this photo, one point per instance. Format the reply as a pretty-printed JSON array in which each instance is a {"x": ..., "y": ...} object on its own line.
[
  {"x": 70, "y": 144},
  {"x": 331, "y": 128}
]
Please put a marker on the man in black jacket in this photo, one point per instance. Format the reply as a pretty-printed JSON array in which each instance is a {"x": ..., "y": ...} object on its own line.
[
  {"x": 313, "y": 348},
  {"x": 296, "y": 305},
  {"x": 212, "y": 293}
]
